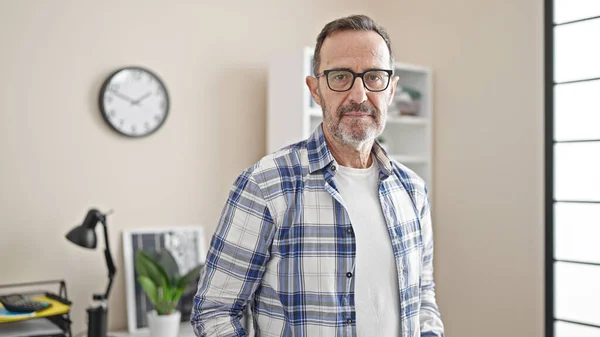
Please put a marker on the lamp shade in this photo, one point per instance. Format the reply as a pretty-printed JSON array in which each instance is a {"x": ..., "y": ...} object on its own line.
[{"x": 83, "y": 236}]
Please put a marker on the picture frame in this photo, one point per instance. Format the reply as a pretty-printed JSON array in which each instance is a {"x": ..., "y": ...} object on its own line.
[{"x": 187, "y": 245}]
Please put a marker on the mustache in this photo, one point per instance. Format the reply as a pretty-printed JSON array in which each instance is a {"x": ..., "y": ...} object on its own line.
[{"x": 353, "y": 107}]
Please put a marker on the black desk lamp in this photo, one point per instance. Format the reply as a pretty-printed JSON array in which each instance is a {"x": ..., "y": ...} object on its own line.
[{"x": 85, "y": 236}]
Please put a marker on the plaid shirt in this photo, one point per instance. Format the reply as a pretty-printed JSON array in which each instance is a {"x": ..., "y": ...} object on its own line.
[{"x": 284, "y": 244}]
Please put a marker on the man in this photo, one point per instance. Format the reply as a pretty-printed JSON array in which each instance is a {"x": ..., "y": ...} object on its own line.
[{"x": 329, "y": 236}]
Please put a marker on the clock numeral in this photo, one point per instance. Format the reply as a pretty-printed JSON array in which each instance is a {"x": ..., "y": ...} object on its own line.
[
  {"x": 133, "y": 129},
  {"x": 136, "y": 74},
  {"x": 112, "y": 112},
  {"x": 114, "y": 87},
  {"x": 157, "y": 118},
  {"x": 163, "y": 104},
  {"x": 158, "y": 92},
  {"x": 108, "y": 99},
  {"x": 121, "y": 122},
  {"x": 147, "y": 125}
]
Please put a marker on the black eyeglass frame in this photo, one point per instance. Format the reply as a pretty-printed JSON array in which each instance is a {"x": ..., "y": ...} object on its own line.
[{"x": 354, "y": 76}]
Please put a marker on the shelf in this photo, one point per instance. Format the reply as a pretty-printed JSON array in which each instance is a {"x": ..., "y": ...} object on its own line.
[
  {"x": 33, "y": 327},
  {"x": 57, "y": 320},
  {"x": 408, "y": 159},
  {"x": 400, "y": 66},
  {"x": 408, "y": 120}
]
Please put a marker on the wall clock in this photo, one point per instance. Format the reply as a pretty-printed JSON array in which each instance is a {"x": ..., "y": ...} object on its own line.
[{"x": 134, "y": 101}]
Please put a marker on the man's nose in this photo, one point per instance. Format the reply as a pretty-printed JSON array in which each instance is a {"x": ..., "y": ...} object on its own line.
[{"x": 358, "y": 92}]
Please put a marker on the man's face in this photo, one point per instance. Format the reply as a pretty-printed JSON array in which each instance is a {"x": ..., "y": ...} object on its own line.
[{"x": 356, "y": 116}]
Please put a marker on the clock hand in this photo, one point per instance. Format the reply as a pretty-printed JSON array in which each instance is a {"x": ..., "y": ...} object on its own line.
[
  {"x": 137, "y": 101},
  {"x": 127, "y": 98}
]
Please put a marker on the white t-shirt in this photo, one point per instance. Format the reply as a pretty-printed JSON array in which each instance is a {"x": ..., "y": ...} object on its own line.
[{"x": 376, "y": 283}]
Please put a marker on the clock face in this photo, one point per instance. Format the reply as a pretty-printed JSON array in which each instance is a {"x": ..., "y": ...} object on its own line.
[{"x": 134, "y": 101}]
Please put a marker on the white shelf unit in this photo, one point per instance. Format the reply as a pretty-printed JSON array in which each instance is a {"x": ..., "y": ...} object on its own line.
[{"x": 292, "y": 115}]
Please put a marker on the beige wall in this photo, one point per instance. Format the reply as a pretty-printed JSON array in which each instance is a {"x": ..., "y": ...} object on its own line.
[
  {"x": 59, "y": 158},
  {"x": 487, "y": 58}
]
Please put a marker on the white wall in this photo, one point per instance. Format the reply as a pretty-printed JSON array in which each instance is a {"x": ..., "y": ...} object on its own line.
[{"x": 58, "y": 158}]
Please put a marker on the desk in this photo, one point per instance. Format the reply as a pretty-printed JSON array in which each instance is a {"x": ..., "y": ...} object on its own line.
[{"x": 185, "y": 330}]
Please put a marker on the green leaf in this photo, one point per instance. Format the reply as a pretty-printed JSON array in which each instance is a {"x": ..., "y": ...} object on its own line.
[
  {"x": 177, "y": 295},
  {"x": 140, "y": 267},
  {"x": 165, "y": 307},
  {"x": 166, "y": 260},
  {"x": 149, "y": 288},
  {"x": 146, "y": 265},
  {"x": 165, "y": 291},
  {"x": 185, "y": 280}
]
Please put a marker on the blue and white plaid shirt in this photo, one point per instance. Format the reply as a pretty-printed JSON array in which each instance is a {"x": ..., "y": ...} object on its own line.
[{"x": 284, "y": 245}]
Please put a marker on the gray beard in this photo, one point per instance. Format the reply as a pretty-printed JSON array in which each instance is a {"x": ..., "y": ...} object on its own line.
[{"x": 350, "y": 136}]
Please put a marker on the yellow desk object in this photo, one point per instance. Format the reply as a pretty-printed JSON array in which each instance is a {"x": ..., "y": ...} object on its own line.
[{"x": 56, "y": 308}]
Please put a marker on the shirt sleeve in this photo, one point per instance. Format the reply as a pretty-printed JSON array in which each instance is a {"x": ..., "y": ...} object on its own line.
[
  {"x": 429, "y": 316},
  {"x": 238, "y": 253}
]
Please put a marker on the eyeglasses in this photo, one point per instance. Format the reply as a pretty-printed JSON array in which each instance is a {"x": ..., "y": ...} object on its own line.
[{"x": 341, "y": 80}]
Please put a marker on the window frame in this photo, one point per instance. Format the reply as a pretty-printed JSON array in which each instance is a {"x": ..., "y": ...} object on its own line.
[{"x": 549, "y": 148}]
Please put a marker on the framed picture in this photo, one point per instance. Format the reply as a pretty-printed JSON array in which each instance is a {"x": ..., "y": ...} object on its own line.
[{"x": 187, "y": 246}]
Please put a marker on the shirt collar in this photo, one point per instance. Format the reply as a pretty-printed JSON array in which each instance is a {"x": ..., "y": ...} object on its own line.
[{"x": 320, "y": 157}]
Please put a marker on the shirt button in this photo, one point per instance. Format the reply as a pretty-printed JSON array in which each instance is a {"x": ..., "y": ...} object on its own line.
[
  {"x": 349, "y": 274},
  {"x": 349, "y": 230},
  {"x": 333, "y": 167},
  {"x": 349, "y": 321}
]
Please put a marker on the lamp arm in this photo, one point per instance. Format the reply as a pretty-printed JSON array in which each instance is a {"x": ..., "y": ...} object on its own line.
[{"x": 112, "y": 270}]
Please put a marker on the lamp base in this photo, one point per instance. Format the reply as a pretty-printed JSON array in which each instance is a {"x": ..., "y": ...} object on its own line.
[{"x": 97, "y": 321}]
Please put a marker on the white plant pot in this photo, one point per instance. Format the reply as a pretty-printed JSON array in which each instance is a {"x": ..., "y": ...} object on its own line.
[{"x": 164, "y": 325}]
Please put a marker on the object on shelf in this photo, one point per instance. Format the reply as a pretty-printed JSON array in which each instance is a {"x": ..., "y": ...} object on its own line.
[
  {"x": 18, "y": 304},
  {"x": 53, "y": 321},
  {"x": 407, "y": 101},
  {"x": 6, "y": 315}
]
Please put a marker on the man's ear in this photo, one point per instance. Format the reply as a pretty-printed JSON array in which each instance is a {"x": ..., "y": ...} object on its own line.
[
  {"x": 393, "y": 84},
  {"x": 313, "y": 86}
]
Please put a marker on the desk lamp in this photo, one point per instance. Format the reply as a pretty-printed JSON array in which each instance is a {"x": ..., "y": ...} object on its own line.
[{"x": 85, "y": 236}]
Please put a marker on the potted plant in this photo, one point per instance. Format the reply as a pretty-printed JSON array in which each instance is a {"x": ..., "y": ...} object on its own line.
[{"x": 158, "y": 275}]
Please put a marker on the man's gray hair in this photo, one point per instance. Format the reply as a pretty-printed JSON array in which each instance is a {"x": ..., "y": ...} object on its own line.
[{"x": 353, "y": 22}]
